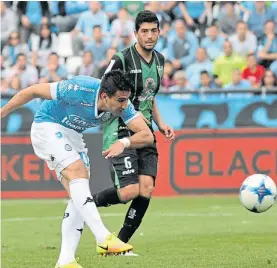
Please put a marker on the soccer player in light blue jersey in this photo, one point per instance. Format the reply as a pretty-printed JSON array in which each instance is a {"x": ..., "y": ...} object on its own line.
[{"x": 72, "y": 106}]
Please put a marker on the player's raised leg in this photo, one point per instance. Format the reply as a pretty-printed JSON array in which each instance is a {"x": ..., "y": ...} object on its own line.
[
  {"x": 77, "y": 176},
  {"x": 60, "y": 148}
]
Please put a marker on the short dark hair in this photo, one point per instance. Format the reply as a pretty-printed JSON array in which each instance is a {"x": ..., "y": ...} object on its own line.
[
  {"x": 53, "y": 54},
  {"x": 146, "y": 16},
  {"x": 19, "y": 55},
  {"x": 240, "y": 22},
  {"x": 214, "y": 25},
  {"x": 204, "y": 72},
  {"x": 97, "y": 26},
  {"x": 115, "y": 80},
  {"x": 274, "y": 76},
  {"x": 251, "y": 54},
  {"x": 270, "y": 21},
  {"x": 88, "y": 52}
]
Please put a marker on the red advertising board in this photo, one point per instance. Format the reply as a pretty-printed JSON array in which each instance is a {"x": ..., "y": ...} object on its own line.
[
  {"x": 214, "y": 161},
  {"x": 23, "y": 174},
  {"x": 196, "y": 162}
]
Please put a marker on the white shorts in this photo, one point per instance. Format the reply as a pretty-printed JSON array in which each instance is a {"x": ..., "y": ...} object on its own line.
[{"x": 58, "y": 146}]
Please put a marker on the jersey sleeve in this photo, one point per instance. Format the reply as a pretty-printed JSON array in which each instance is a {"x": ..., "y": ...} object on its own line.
[
  {"x": 62, "y": 90},
  {"x": 129, "y": 113},
  {"x": 71, "y": 91},
  {"x": 115, "y": 63},
  {"x": 53, "y": 90}
]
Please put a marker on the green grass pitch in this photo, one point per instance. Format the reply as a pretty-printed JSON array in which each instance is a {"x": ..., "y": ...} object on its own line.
[{"x": 196, "y": 232}]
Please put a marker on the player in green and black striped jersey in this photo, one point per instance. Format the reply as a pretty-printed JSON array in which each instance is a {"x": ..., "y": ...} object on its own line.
[{"x": 134, "y": 171}]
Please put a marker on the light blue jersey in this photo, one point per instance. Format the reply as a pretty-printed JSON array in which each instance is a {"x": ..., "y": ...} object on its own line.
[{"x": 74, "y": 105}]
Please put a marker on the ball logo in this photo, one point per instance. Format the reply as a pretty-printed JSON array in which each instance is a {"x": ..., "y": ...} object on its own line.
[{"x": 261, "y": 190}]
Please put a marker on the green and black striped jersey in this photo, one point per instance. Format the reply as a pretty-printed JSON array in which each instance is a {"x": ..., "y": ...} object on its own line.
[{"x": 146, "y": 78}]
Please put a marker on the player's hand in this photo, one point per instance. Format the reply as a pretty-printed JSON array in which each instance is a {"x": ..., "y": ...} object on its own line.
[
  {"x": 115, "y": 149},
  {"x": 167, "y": 131}
]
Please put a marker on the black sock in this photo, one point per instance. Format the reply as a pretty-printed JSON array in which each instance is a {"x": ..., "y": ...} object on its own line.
[
  {"x": 106, "y": 197},
  {"x": 133, "y": 218}
]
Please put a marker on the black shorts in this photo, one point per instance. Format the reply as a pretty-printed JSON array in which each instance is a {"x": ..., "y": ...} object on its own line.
[{"x": 126, "y": 168}]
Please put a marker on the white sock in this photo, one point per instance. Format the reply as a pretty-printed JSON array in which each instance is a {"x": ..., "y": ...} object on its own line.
[
  {"x": 83, "y": 202},
  {"x": 72, "y": 228}
]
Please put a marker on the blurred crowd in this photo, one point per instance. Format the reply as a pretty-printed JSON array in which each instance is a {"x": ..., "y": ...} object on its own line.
[{"x": 206, "y": 45}]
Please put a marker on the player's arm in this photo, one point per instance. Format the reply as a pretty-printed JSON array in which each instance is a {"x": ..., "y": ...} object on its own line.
[
  {"x": 142, "y": 137},
  {"x": 142, "y": 134},
  {"x": 135, "y": 122},
  {"x": 163, "y": 128},
  {"x": 25, "y": 95}
]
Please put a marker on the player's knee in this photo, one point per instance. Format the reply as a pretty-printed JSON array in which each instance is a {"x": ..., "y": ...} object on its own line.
[
  {"x": 75, "y": 170},
  {"x": 146, "y": 189},
  {"x": 129, "y": 192},
  {"x": 146, "y": 186}
]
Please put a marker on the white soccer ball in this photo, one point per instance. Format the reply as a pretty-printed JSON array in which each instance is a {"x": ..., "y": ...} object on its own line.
[{"x": 258, "y": 193}]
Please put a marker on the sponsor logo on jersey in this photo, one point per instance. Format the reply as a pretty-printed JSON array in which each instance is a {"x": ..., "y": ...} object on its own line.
[
  {"x": 86, "y": 89},
  {"x": 122, "y": 127},
  {"x": 62, "y": 85},
  {"x": 148, "y": 92},
  {"x": 160, "y": 70},
  {"x": 80, "y": 121},
  {"x": 77, "y": 123},
  {"x": 136, "y": 71},
  {"x": 75, "y": 87},
  {"x": 128, "y": 171},
  {"x": 87, "y": 104}
]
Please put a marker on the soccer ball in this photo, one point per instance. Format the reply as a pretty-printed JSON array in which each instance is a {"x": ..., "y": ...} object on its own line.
[{"x": 258, "y": 193}]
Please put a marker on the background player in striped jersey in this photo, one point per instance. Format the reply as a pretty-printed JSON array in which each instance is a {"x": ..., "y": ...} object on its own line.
[{"x": 134, "y": 171}]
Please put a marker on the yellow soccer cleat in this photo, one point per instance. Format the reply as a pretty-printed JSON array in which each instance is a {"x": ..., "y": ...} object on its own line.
[
  {"x": 112, "y": 246},
  {"x": 73, "y": 264}
]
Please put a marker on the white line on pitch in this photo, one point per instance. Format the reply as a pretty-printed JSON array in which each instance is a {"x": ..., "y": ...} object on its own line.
[
  {"x": 122, "y": 214},
  {"x": 155, "y": 214}
]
